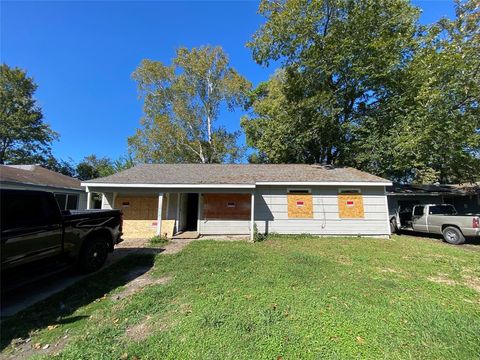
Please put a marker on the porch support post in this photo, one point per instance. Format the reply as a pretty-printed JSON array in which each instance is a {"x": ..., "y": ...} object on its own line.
[
  {"x": 89, "y": 199},
  {"x": 252, "y": 217},
  {"x": 159, "y": 213},
  {"x": 177, "y": 219}
]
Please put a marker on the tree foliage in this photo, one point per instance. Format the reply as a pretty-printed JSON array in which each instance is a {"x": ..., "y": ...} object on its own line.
[
  {"x": 363, "y": 84},
  {"x": 182, "y": 103},
  {"x": 428, "y": 128},
  {"x": 24, "y": 137},
  {"x": 92, "y": 167},
  {"x": 337, "y": 56},
  {"x": 65, "y": 167}
]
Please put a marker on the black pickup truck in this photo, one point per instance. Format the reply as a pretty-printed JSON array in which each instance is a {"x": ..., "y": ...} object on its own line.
[{"x": 34, "y": 230}]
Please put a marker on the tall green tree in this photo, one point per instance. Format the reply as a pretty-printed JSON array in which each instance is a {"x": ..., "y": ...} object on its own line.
[
  {"x": 182, "y": 103},
  {"x": 24, "y": 137},
  {"x": 428, "y": 128},
  {"x": 92, "y": 166},
  {"x": 65, "y": 167},
  {"x": 338, "y": 59}
]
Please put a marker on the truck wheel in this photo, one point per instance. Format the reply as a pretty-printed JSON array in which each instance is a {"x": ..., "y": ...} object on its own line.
[
  {"x": 453, "y": 235},
  {"x": 393, "y": 226},
  {"x": 94, "y": 254}
]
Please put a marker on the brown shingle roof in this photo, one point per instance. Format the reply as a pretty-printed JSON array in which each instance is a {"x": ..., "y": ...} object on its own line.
[
  {"x": 37, "y": 175},
  {"x": 235, "y": 174}
]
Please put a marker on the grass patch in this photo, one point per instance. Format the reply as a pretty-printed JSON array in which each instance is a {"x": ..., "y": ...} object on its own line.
[
  {"x": 288, "y": 297},
  {"x": 158, "y": 241}
]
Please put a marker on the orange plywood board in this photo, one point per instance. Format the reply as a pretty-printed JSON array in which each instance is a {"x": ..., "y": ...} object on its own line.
[
  {"x": 300, "y": 206},
  {"x": 138, "y": 207},
  {"x": 350, "y": 206}
]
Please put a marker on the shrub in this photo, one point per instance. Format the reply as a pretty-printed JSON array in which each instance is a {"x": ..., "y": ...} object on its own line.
[
  {"x": 158, "y": 240},
  {"x": 257, "y": 237}
]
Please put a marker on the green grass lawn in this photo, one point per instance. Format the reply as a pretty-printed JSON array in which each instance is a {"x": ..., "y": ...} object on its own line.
[{"x": 286, "y": 297}]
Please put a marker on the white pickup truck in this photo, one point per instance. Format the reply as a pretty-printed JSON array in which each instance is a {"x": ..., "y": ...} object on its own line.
[{"x": 441, "y": 219}]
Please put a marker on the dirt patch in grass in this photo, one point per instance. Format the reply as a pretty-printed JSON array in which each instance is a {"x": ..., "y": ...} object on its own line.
[
  {"x": 26, "y": 348},
  {"x": 442, "y": 279},
  {"x": 140, "y": 331},
  {"x": 469, "y": 281},
  {"x": 141, "y": 277},
  {"x": 389, "y": 270},
  {"x": 144, "y": 329},
  {"x": 344, "y": 260},
  {"x": 472, "y": 282},
  {"x": 177, "y": 245}
]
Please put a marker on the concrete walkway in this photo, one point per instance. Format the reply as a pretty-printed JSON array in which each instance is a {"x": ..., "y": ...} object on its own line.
[{"x": 34, "y": 292}]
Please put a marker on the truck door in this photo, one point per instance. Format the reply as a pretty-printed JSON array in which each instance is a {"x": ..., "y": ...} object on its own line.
[
  {"x": 31, "y": 227},
  {"x": 419, "y": 218}
]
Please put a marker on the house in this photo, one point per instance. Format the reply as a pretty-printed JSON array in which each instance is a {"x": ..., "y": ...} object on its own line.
[
  {"x": 238, "y": 199},
  {"x": 68, "y": 191},
  {"x": 465, "y": 197}
]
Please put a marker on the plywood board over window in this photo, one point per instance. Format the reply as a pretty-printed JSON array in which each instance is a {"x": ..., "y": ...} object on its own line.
[
  {"x": 350, "y": 205},
  {"x": 226, "y": 206},
  {"x": 138, "y": 207},
  {"x": 300, "y": 206}
]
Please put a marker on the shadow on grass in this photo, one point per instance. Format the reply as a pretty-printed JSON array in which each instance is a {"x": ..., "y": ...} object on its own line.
[{"x": 57, "y": 308}]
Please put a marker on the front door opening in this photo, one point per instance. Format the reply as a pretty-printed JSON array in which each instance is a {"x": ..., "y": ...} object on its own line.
[{"x": 192, "y": 212}]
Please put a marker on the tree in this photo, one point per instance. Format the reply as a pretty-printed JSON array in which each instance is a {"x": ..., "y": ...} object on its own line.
[
  {"x": 428, "y": 128},
  {"x": 338, "y": 59},
  {"x": 275, "y": 130},
  {"x": 182, "y": 103},
  {"x": 123, "y": 163},
  {"x": 61, "y": 166},
  {"x": 92, "y": 167},
  {"x": 24, "y": 137}
]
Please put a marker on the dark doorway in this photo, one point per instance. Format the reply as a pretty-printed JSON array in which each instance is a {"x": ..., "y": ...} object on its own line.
[{"x": 192, "y": 212}]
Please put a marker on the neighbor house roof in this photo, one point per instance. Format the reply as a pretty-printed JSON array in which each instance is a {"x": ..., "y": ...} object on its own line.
[
  {"x": 36, "y": 175},
  {"x": 434, "y": 189},
  {"x": 240, "y": 174}
]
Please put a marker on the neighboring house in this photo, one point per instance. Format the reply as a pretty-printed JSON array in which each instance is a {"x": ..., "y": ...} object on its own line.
[
  {"x": 465, "y": 197},
  {"x": 68, "y": 191},
  {"x": 229, "y": 199}
]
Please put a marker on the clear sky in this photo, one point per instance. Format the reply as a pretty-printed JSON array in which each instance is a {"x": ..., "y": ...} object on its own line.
[{"x": 82, "y": 53}]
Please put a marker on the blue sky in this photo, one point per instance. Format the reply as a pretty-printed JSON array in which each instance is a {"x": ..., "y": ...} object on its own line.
[{"x": 81, "y": 54}]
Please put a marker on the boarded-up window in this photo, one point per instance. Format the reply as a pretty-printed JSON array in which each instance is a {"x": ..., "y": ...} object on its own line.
[
  {"x": 350, "y": 204},
  {"x": 226, "y": 206},
  {"x": 139, "y": 207},
  {"x": 300, "y": 204}
]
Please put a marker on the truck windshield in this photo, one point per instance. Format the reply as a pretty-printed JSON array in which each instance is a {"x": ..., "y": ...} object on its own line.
[{"x": 442, "y": 210}]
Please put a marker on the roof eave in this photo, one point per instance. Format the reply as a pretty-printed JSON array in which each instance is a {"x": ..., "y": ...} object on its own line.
[{"x": 235, "y": 186}]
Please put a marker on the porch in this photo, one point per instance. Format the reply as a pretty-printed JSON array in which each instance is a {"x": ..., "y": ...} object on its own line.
[{"x": 181, "y": 213}]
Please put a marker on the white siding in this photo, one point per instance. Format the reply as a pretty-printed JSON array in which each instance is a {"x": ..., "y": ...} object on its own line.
[
  {"x": 108, "y": 200},
  {"x": 224, "y": 227},
  {"x": 271, "y": 213},
  {"x": 171, "y": 209},
  {"x": 82, "y": 201}
]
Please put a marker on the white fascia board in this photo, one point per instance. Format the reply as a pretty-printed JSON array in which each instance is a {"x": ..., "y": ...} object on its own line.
[
  {"x": 171, "y": 186},
  {"x": 327, "y": 183}
]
